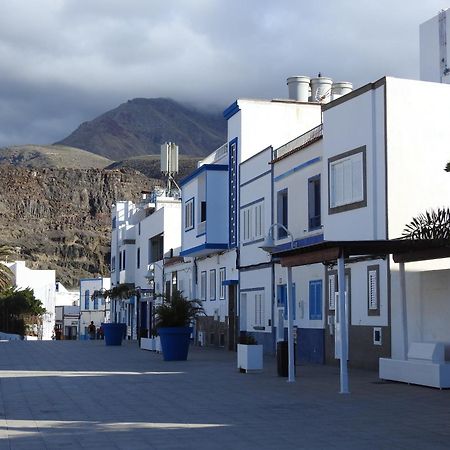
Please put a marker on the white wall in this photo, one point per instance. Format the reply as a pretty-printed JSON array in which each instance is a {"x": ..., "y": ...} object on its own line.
[
  {"x": 262, "y": 123},
  {"x": 355, "y": 123},
  {"x": 43, "y": 284}
]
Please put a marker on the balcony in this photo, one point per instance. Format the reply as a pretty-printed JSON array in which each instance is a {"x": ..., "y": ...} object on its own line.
[{"x": 215, "y": 156}]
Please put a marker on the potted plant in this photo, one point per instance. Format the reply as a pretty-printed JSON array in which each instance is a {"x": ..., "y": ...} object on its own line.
[
  {"x": 250, "y": 354},
  {"x": 173, "y": 319}
]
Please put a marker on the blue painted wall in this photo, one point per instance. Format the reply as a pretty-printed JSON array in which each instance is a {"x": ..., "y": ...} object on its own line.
[
  {"x": 266, "y": 339},
  {"x": 311, "y": 345}
]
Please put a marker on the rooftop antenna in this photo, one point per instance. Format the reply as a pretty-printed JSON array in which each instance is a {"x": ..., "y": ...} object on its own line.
[{"x": 169, "y": 165}]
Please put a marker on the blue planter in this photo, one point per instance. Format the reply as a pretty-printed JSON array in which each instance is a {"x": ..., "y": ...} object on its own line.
[
  {"x": 113, "y": 333},
  {"x": 175, "y": 342}
]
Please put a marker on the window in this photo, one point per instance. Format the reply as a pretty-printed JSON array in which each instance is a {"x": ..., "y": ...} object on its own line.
[
  {"x": 282, "y": 212},
  {"x": 347, "y": 181},
  {"x": 222, "y": 287},
  {"x": 259, "y": 309},
  {"x": 203, "y": 286},
  {"x": 123, "y": 260},
  {"x": 120, "y": 261},
  {"x": 373, "y": 290},
  {"x": 174, "y": 280},
  {"x": 86, "y": 299},
  {"x": 114, "y": 223},
  {"x": 315, "y": 300},
  {"x": 212, "y": 284},
  {"x": 252, "y": 222},
  {"x": 314, "y": 219},
  {"x": 282, "y": 299},
  {"x": 189, "y": 215},
  {"x": 202, "y": 211},
  {"x": 138, "y": 258},
  {"x": 113, "y": 264},
  {"x": 139, "y": 228},
  {"x": 155, "y": 248},
  {"x": 95, "y": 302}
]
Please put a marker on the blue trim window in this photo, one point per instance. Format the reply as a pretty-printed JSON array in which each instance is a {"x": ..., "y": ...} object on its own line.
[
  {"x": 95, "y": 302},
  {"x": 222, "y": 278},
  {"x": 203, "y": 285},
  {"x": 315, "y": 300},
  {"x": 282, "y": 212},
  {"x": 189, "y": 215},
  {"x": 212, "y": 284},
  {"x": 138, "y": 258},
  {"x": 314, "y": 219},
  {"x": 282, "y": 299},
  {"x": 114, "y": 223},
  {"x": 86, "y": 299}
]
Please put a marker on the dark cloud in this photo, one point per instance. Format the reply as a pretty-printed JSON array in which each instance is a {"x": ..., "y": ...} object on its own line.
[{"x": 65, "y": 61}]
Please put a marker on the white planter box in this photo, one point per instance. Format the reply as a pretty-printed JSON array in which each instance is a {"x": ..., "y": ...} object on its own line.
[
  {"x": 148, "y": 344},
  {"x": 157, "y": 344},
  {"x": 250, "y": 357}
]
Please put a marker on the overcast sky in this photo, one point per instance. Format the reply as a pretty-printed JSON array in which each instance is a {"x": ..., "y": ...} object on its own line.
[{"x": 63, "y": 62}]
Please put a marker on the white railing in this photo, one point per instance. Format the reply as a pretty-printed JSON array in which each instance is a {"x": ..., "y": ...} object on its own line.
[
  {"x": 299, "y": 142},
  {"x": 215, "y": 156}
]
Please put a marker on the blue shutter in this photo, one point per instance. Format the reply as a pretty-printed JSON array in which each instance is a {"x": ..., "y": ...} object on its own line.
[{"x": 315, "y": 300}]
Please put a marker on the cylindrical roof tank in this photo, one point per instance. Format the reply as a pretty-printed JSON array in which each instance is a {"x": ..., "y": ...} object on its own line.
[
  {"x": 321, "y": 89},
  {"x": 340, "y": 88},
  {"x": 298, "y": 88}
]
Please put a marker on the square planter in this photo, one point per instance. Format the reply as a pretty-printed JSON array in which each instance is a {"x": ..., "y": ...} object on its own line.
[{"x": 250, "y": 357}]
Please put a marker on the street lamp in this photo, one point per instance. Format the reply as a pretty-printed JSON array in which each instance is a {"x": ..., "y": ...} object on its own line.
[{"x": 269, "y": 246}]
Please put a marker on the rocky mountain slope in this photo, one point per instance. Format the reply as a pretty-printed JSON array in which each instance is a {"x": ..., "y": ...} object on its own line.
[
  {"x": 60, "y": 218},
  {"x": 140, "y": 126},
  {"x": 39, "y": 156}
]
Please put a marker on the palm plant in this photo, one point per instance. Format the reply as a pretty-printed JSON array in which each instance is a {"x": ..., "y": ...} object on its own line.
[
  {"x": 177, "y": 311},
  {"x": 5, "y": 273},
  {"x": 433, "y": 224}
]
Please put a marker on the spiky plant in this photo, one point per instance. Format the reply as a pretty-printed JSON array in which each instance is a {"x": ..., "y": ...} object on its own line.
[
  {"x": 6, "y": 275},
  {"x": 447, "y": 167},
  {"x": 433, "y": 224},
  {"x": 177, "y": 311}
]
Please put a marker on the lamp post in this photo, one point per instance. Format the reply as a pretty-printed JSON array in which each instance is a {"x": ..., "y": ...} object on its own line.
[{"x": 269, "y": 246}]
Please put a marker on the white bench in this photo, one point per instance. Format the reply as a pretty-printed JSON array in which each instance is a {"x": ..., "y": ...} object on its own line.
[{"x": 426, "y": 365}]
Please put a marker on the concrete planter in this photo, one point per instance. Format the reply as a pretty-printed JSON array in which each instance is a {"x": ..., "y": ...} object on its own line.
[{"x": 250, "y": 357}]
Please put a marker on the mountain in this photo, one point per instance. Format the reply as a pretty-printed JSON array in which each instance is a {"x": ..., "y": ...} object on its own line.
[
  {"x": 56, "y": 156},
  {"x": 61, "y": 218},
  {"x": 140, "y": 126}
]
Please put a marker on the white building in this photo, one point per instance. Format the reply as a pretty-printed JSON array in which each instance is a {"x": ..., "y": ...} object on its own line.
[
  {"x": 93, "y": 308},
  {"x": 143, "y": 234},
  {"x": 42, "y": 282}
]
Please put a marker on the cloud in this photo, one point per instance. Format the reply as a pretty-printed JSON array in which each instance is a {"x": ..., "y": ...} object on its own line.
[{"x": 66, "y": 61}]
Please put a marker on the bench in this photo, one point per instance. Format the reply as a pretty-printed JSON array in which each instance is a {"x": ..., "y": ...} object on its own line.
[{"x": 427, "y": 365}]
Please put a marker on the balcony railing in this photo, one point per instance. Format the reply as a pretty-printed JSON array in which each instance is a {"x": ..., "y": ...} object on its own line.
[
  {"x": 215, "y": 156},
  {"x": 299, "y": 142}
]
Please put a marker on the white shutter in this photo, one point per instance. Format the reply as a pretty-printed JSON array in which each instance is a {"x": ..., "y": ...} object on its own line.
[
  {"x": 347, "y": 181},
  {"x": 337, "y": 184},
  {"x": 331, "y": 292},
  {"x": 373, "y": 292},
  {"x": 357, "y": 178}
]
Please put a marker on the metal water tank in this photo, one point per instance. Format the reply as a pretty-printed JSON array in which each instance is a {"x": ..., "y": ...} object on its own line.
[
  {"x": 340, "y": 88},
  {"x": 298, "y": 88},
  {"x": 321, "y": 89}
]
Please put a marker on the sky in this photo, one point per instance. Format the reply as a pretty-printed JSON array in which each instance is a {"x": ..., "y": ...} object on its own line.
[{"x": 63, "y": 62}]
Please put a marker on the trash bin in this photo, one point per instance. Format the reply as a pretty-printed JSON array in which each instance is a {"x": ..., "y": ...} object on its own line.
[{"x": 283, "y": 359}]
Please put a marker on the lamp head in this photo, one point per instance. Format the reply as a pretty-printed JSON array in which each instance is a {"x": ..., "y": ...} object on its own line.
[{"x": 268, "y": 245}]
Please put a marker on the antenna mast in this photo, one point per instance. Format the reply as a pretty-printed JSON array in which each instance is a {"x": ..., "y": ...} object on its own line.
[{"x": 169, "y": 165}]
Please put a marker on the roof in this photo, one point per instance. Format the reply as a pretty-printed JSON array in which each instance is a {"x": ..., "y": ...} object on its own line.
[{"x": 403, "y": 250}]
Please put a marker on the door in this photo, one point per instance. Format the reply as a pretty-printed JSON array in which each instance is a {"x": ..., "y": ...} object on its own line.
[{"x": 233, "y": 325}]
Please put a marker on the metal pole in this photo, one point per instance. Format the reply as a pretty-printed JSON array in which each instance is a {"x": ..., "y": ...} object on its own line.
[
  {"x": 343, "y": 325},
  {"x": 291, "y": 360},
  {"x": 404, "y": 318}
]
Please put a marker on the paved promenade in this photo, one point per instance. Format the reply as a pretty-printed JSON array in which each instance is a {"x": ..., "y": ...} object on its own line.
[{"x": 72, "y": 395}]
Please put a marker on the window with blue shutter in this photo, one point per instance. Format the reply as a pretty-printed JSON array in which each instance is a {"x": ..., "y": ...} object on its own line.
[
  {"x": 86, "y": 299},
  {"x": 282, "y": 299},
  {"x": 315, "y": 300}
]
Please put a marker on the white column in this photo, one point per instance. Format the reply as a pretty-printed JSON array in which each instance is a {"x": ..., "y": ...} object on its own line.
[
  {"x": 291, "y": 360},
  {"x": 343, "y": 326},
  {"x": 404, "y": 317}
]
